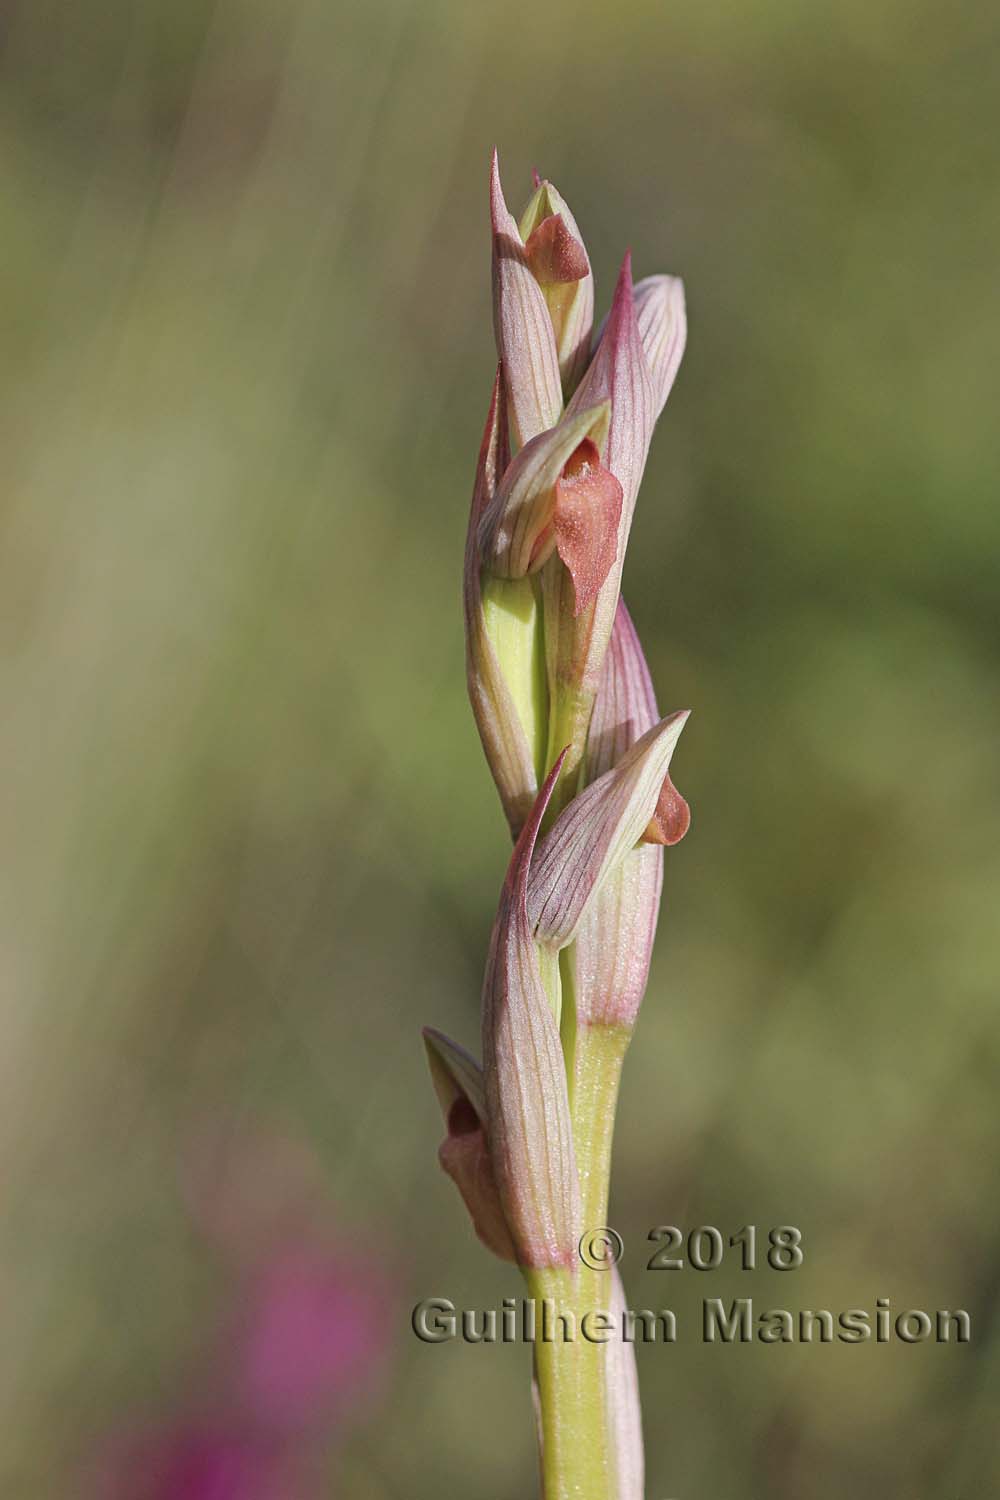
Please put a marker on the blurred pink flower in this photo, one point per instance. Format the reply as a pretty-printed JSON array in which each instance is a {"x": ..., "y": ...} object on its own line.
[
  {"x": 313, "y": 1339},
  {"x": 193, "y": 1462},
  {"x": 302, "y": 1342}
]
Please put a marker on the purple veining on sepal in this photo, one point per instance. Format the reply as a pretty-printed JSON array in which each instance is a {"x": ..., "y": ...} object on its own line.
[
  {"x": 526, "y": 343},
  {"x": 596, "y": 831},
  {"x": 662, "y": 321},
  {"x": 618, "y": 372},
  {"x": 625, "y": 707},
  {"x": 526, "y": 1097},
  {"x": 614, "y": 941}
]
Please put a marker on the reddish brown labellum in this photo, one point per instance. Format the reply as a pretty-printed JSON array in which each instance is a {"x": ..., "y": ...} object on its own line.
[
  {"x": 587, "y": 512},
  {"x": 462, "y": 1118},
  {"x": 672, "y": 818},
  {"x": 554, "y": 253}
]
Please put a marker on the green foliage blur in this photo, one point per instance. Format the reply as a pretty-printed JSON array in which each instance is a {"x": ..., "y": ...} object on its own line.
[{"x": 251, "y": 843}]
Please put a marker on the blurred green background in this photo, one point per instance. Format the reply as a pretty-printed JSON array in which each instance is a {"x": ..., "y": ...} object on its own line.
[{"x": 251, "y": 845}]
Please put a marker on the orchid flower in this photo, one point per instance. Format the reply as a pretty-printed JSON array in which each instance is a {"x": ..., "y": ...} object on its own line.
[
  {"x": 558, "y": 260},
  {"x": 464, "y": 1153},
  {"x": 614, "y": 940}
]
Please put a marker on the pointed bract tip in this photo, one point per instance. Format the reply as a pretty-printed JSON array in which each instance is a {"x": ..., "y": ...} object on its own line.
[
  {"x": 679, "y": 717},
  {"x": 435, "y": 1038},
  {"x": 454, "y": 1072},
  {"x": 536, "y": 180},
  {"x": 622, "y": 313},
  {"x": 498, "y": 203}
]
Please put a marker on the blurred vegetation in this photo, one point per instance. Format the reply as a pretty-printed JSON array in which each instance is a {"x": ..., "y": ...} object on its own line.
[{"x": 251, "y": 843}]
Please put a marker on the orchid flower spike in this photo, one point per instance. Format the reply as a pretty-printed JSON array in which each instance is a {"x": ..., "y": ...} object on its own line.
[{"x": 564, "y": 704}]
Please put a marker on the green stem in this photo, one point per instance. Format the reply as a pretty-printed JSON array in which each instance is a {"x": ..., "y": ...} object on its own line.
[
  {"x": 577, "y": 1459},
  {"x": 598, "y": 1054}
]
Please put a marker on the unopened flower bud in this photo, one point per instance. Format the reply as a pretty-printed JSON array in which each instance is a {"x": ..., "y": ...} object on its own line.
[
  {"x": 526, "y": 342},
  {"x": 558, "y": 260}
]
